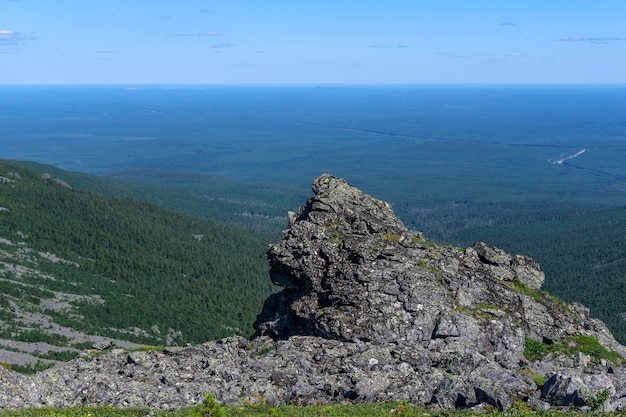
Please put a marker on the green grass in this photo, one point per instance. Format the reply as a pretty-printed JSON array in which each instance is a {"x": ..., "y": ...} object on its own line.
[
  {"x": 533, "y": 376},
  {"x": 520, "y": 287},
  {"x": 78, "y": 412},
  {"x": 336, "y": 234},
  {"x": 571, "y": 346},
  {"x": 423, "y": 265},
  {"x": 149, "y": 348},
  {"x": 423, "y": 242},
  {"x": 389, "y": 409},
  {"x": 537, "y": 295}
]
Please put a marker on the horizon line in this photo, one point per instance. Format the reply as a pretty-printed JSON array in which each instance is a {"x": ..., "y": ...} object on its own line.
[{"x": 130, "y": 86}]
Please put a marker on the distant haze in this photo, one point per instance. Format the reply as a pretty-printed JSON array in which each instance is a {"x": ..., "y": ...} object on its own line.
[{"x": 402, "y": 143}]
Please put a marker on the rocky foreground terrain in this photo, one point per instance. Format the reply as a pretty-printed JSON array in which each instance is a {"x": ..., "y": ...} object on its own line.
[{"x": 369, "y": 311}]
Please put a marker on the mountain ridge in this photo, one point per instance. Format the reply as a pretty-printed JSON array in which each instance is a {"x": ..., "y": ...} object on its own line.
[
  {"x": 550, "y": 232},
  {"x": 369, "y": 311}
]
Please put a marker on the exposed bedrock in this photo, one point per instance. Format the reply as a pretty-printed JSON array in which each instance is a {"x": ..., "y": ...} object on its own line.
[{"x": 369, "y": 311}]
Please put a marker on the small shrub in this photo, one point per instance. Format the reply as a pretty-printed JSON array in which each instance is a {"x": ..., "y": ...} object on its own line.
[
  {"x": 402, "y": 409},
  {"x": 209, "y": 408},
  {"x": 64, "y": 355},
  {"x": 30, "y": 369},
  {"x": 82, "y": 345},
  {"x": 423, "y": 265},
  {"x": 538, "y": 379},
  {"x": 273, "y": 412},
  {"x": 534, "y": 350},
  {"x": 255, "y": 401},
  {"x": 520, "y": 408},
  {"x": 595, "y": 402},
  {"x": 336, "y": 234},
  {"x": 264, "y": 351}
]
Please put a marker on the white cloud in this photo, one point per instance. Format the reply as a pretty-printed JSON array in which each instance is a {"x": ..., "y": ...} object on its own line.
[
  {"x": 201, "y": 35},
  {"x": 593, "y": 39},
  {"x": 11, "y": 41},
  {"x": 10, "y": 36},
  {"x": 388, "y": 46}
]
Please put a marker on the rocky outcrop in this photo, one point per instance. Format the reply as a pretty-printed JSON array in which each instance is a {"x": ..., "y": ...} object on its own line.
[{"x": 369, "y": 311}]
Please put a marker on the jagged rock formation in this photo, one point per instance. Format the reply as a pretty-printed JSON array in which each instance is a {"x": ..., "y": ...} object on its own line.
[{"x": 369, "y": 311}]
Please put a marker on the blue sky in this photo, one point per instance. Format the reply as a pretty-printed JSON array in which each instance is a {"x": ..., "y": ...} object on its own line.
[{"x": 312, "y": 42}]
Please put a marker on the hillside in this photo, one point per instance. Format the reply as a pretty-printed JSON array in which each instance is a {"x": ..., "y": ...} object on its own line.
[
  {"x": 254, "y": 206},
  {"x": 78, "y": 267}
]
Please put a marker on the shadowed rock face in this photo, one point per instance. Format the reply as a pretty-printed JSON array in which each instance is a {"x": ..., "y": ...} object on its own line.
[{"x": 369, "y": 311}]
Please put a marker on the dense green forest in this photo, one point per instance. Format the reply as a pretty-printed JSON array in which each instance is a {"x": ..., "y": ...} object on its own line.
[
  {"x": 134, "y": 270},
  {"x": 261, "y": 207}
]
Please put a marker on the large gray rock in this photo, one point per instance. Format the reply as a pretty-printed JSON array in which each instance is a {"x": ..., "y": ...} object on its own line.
[
  {"x": 352, "y": 271},
  {"x": 369, "y": 311}
]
